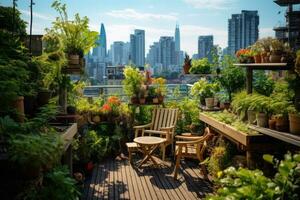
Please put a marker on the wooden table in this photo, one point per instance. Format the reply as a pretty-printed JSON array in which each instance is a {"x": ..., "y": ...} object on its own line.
[{"x": 148, "y": 144}]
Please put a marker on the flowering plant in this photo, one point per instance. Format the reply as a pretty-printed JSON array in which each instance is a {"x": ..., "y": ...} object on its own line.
[
  {"x": 113, "y": 101},
  {"x": 245, "y": 55},
  {"x": 160, "y": 86},
  {"x": 106, "y": 108}
]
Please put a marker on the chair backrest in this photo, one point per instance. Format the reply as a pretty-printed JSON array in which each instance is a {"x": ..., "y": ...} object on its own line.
[{"x": 164, "y": 117}]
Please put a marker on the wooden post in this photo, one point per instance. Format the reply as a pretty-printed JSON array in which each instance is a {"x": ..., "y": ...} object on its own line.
[
  {"x": 63, "y": 99},
  {"x": 249, "y": 78}
]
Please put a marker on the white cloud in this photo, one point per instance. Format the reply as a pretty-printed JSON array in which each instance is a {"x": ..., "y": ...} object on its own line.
[
  {"x": 38, "y": 15},
  {"x": 133, "y": 14},
  {"x": 211, "y": 4}
]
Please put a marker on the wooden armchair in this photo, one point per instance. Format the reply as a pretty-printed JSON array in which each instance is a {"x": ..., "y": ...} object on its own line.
[
  {"x": 191, "y": 147},
  {"x": 163, "y": 125}
]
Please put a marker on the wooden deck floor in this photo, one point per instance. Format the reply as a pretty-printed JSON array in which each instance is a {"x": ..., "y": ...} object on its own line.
[{"x": 117, "y": 179}]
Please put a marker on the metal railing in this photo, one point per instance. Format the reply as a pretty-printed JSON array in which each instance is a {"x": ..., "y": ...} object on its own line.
[{"x": 174, "y": 91}]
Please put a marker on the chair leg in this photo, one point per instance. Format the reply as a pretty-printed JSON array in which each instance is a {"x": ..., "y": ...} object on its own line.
[
  {"x": 177, "y": 166},
  {"x": 130, "y": 155},
  {"x": 163, "y": 153}
]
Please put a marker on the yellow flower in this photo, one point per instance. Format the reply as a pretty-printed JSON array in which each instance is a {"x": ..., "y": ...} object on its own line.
[{"x": 220, "y": 174}]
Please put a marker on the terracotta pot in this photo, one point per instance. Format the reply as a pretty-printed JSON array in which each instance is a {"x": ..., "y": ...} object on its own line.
[
  {"x": 294, "y": 123},
  {"x": 272, "y": 124},
  {"x": 274, "y": 58},
  {"x": 251, "y": 115},
  {"x": 282, "y": 124},
  {"x": 262, "y": 57},
  {"x": 216, "y": 102},
  {"x": 257, "y": 59},
  {"x": 155, "y": 100},
  {"x": 160, "y": 99},
  {"x": 18, "y": 104},
  {"x": 142, "y": 100},
  {"x": 262, "y": 119},
  {"x": 43, "y": 97},
  {"x": 209, "y": 102},
  {"x": 134, "y": 100},
  {"x": 73, "y": 59},
  {"x": 226, "y": 105}
]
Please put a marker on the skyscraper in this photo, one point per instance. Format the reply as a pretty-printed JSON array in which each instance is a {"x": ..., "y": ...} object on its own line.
[
  {"x": 100, "y": 51},
  {"x": 177, "y": 38},
  {"x": 167, "y": 52},
  {"x": 205, "y": 46},
  {"x": 242, "y": 30},
  {"x": 153, "y": 55},
  {"x": 137, "y": 48},
  {"x": 117, "y": 53}
]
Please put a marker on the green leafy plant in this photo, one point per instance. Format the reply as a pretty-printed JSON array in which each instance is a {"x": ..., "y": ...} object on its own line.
[
  {"x": 133, "y": 81},
  {"x": 57, "y": 184},
  {"x": 252, "y": 184},
  {"x": 263, "y": 84},
  {"x": 35, "y": 151},
  {"x": 201, "y": 66},
  {"x": 204, "y": 89},
  {"x": 76, "y": 36},
  {"x": 232, "y": 78}
]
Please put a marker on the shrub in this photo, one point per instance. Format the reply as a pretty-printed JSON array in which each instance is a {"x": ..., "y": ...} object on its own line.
[
  {"x": 201, "y": 66},
  {"x": 263, "y": 84}
]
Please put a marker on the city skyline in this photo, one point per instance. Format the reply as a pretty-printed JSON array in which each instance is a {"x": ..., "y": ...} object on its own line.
[{"x": 195, "y": 17}]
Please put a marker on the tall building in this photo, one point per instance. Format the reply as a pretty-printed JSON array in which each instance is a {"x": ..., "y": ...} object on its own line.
[
  {"x": 205, "y": 46},
  {"x": 290, "y": 32},
  {"x": 167, "y": 52},
  {"x": 153, "y": 55},
  {"x": 177, "y": 38},
  {"x": 242, "y": 30},
  {"x": 117, "y": 53},
  {"x": 100, "y": 51},
  {"x": 137, "y": 48}
]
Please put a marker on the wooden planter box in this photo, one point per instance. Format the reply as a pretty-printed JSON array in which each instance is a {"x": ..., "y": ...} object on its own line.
[{"x": 231, "y": 132}]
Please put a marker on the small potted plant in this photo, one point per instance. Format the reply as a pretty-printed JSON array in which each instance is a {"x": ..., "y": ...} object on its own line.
[
  {"x": 276, "y": 48},
  {"x": 260, "y": 104},
  {"x": 160, "y": 88},
  {"x": 245, "y": 56},
  {"x": 132, "y": 83},
  {"x": 142, "y": 94},
  {"x": 187, "y": 64},
  {"x": 205, "y": 91},
  {"x": 256, "y": 48},
  {"x": 265, "y": 44},
  {"x": 294, "y": 119},
  {"x": 280, "y": 114}
]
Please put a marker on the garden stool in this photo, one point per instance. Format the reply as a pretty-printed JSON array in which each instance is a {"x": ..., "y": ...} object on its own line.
[{"x": 131, "y": 147}]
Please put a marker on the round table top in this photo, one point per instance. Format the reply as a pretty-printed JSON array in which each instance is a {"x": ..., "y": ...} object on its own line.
[{"x": 149, "y": 140}]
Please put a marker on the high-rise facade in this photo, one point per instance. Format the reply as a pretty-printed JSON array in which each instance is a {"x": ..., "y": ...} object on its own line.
[
  {"x": 153, "y": 55},
  {"x": 137, "y": 48},
  {"x": 120, "y": 53},
  {"x": 242, "y": 30},
  {"x": 167, "y": 52},
  {"x": 100, "y": 51},
  {"x": 205, "y": 46},
  {"x": 177, "y": 38}
]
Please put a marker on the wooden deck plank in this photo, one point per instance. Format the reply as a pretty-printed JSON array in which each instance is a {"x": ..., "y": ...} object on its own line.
[
  {"x": 124, "y": 180},
  {"x": 117, "y": 179},
  {"x": 130, "y": 185}
]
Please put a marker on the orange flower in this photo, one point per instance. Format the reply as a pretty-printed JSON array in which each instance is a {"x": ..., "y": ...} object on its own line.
[
  {"x": 113, "y": 100},
  {"x": 106, "y": 108},
  {"x": 243, "y": 52}
]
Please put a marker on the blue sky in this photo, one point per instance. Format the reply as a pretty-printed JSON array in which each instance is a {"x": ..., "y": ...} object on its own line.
[{"x": 158, "y": 17}]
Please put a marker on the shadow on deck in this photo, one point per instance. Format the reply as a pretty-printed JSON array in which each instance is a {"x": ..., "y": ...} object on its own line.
[{"x": 117, "y": 179}]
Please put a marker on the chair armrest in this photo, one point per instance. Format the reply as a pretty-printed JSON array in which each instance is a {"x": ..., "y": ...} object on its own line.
[
  {"x": 143, "y": 126},
  {"x": 156, "y": 132},
  {"x": 188, "y": 137},
  {"x": 167, "y": 128},
  {"x": 182, "y": 143}
]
